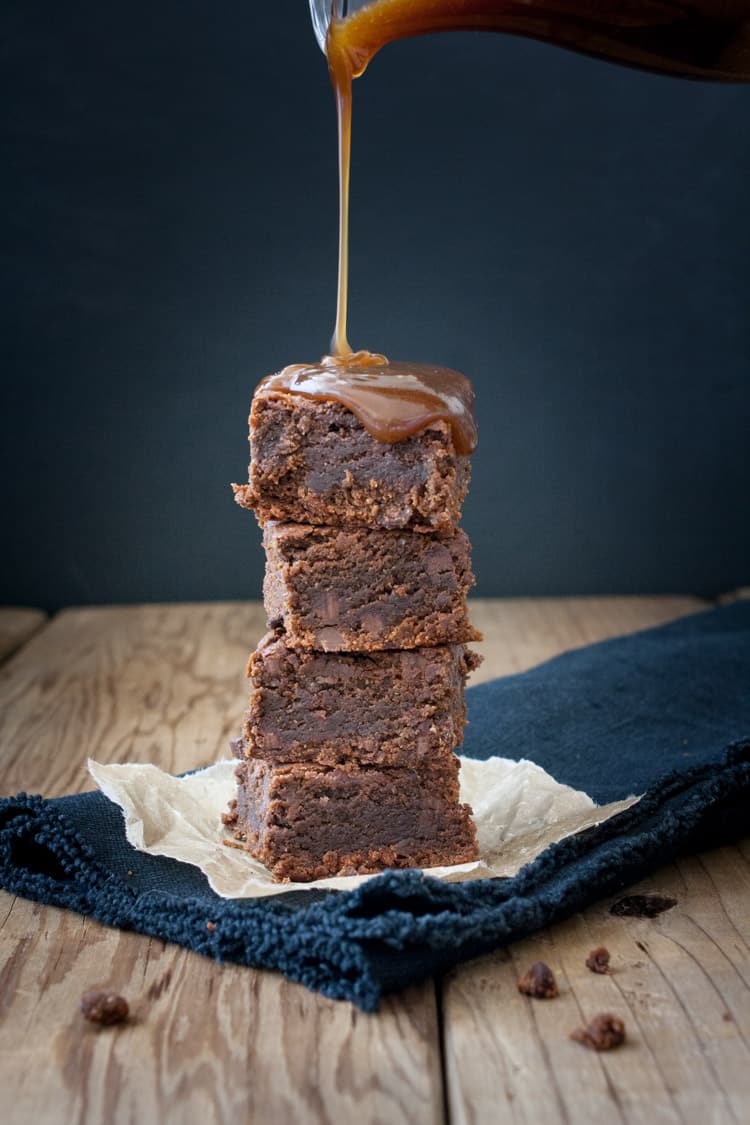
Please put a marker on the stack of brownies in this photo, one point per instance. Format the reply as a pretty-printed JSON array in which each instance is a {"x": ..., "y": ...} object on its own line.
[{"x": 347, "y": 759}]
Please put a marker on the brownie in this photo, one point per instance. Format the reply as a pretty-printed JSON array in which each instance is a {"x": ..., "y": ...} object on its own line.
[
  {"x": 357, "y": 590},
  {"x": 306, "y": 822},
  {"x": 386, "y": 708},
  {"x": 312, "y": 461}
]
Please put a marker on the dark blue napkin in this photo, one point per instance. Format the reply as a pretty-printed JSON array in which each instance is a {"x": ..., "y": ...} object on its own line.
[{"x": 664, "y": 712}]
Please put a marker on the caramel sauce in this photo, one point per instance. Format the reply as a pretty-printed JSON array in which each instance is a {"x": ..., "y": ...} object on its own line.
[{"x": 391, "y": 400}]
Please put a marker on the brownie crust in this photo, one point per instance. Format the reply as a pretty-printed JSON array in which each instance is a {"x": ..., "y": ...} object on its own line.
[
  {"x": 312, "y": 461},
  {"x": 385, "y": 708},
  {"x": 307, "y": 822},
  {"x": 357, "y": 590}
]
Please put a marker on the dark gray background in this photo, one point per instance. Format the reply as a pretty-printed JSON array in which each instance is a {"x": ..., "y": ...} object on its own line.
[{"x": 574, "y": 236}]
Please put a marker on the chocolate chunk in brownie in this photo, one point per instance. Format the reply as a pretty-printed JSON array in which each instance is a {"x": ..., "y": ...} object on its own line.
[
  {"x": 307, "y": 822},
  {"x": 314, "y": 462},
  {"x": 359, "y": 590},
  {"x": 388, "y": 708}
]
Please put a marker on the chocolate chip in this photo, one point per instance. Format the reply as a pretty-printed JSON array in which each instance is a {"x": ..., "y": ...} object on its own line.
[
  {"x": 372, "y": 621},
  {"x": 598, "y": 960},
  {"x": 603, "y": 1033},
  {"x": 438, "y": 561},
  {"x": 331, "y": 639},
  {"x": 104, "y": 1007},
  {"x": 329, "y": 606},
  {"x": 642, "y": 906},
  {"x": 539, "y": 982}
]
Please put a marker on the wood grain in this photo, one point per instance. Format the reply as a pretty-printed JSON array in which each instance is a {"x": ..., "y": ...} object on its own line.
[
  {"x": 522, "y": 632},
  {"x": 16, "y": 626},
  {"x": 218, "y": 1043},
  {"x": 680, "y": 981},
  {"x": 207, "y": 1043},
  {"x": 147, "y": 683}
]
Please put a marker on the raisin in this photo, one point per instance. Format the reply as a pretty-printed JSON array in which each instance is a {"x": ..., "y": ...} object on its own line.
[
  {"x": 603, "y": 1033},
  {"x": 104, "y": 1007},
  {"x": 598, "y": 960},
  {"x": 539, "y": 982}
]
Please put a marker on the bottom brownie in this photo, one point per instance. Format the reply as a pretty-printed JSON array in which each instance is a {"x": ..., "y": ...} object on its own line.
[{"x": 306, "y": 822}]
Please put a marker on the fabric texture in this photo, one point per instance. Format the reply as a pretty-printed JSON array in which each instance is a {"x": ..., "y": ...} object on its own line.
[{"x": 664, "y": 712}]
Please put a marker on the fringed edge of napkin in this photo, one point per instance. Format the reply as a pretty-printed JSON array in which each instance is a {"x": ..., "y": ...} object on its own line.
[{"x": 400, "y": 927}]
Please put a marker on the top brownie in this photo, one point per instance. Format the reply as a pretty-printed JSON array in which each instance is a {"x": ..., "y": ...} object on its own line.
[{"x": 312, "y": 461}]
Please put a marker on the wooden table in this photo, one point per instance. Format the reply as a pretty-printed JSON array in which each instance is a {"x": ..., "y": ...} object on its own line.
[{"x": 214, "y": 1042}]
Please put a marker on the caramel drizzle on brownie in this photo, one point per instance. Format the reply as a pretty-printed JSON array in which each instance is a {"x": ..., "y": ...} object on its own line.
[{"x": 393, "y": 401}]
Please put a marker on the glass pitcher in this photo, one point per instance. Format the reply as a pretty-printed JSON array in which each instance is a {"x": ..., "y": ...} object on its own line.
[{"x": 695, "y": 39}]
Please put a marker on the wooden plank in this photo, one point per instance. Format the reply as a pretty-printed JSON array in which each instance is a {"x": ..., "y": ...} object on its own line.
[
  {"x": 207, "y": 1042},
  {"x": 16, "y": 626},
  {"x": 680, "y": 981},
  {"x": 165, "y": 684},
  {"x": 522, "y": 632},
  {"x": 161, "y": 683},
  {"x": 742, "y": 593}
]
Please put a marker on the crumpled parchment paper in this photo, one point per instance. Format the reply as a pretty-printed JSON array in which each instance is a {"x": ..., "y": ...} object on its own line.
[{"x": 519, "y": 810}]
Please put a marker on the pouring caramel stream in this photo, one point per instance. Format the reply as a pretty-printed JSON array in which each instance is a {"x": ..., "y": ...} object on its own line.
[{"x": 689, "y": 38}]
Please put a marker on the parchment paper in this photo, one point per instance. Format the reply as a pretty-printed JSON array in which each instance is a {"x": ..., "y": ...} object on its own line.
[{"x": 518, "y": 810}]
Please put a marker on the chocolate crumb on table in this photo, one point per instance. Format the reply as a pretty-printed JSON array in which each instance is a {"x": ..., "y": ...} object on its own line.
[
  {"x": 358, "y": 589},
  {"x": 229, "y": 817},
  {"x": 539, "y": 982},
  {"x": 313, "y": 462},
  {"x": 603, "y": 1033},
  {"x": 598, "y": 960}
]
